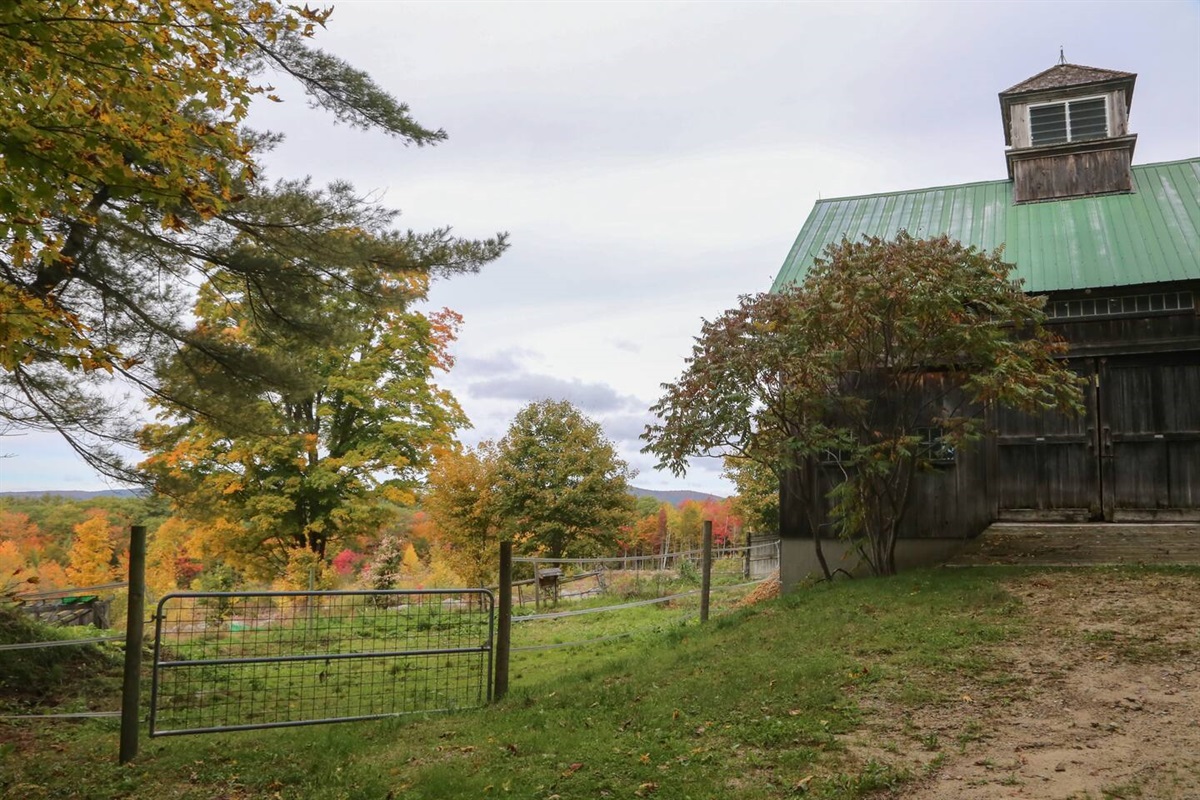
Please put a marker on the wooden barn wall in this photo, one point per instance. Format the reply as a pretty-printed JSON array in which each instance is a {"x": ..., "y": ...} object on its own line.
[
  {"x": 1131, "y": 335},
  {"x": 1072, "y": 175},
  {"x": 1047, "y": 460},
  {"x": 1135, "y": 452},
  {"x": 1149, "y": 410},
  {"x": 947, "y": 501},
  {"x": 1150, "y": 436}
]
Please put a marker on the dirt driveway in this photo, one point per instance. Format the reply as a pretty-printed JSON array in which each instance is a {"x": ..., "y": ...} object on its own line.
[{"x": 1102, "y": 700}]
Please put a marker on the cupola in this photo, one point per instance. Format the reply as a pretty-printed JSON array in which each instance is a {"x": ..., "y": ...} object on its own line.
[{"x": 1067, "y": 131}]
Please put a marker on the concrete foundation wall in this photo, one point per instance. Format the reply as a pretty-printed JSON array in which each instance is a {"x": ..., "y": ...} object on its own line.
[{"x": 798, "y": 558}]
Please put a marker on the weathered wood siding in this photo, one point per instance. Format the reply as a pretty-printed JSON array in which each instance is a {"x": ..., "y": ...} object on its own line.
[
  {"x": 1147, "y": 331},
  {"x": 1046, "y": 464},
  {"x": 1150, "y": 436},
  {"x": 1134, "y": 454},
  {"x": 1051, "y": 177}
]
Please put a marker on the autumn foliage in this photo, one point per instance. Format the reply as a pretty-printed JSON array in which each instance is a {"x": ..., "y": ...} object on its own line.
[{"x": 888, "y": 354}]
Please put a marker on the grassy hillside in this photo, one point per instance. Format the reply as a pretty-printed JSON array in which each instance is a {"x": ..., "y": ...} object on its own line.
[{"x": 837, "y": 691}]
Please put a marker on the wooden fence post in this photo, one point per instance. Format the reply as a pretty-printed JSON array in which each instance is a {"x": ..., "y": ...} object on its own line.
[
  {"x": 706, "y": 573},
  {"x": 537, "y": 585},
  {"x": 746, "y": 569},
  {"x": 504, "y": 621},
  {"x": 134, "y": 623}
]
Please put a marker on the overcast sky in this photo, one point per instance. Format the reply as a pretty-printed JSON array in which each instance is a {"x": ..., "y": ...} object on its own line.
[{"x": 653, "y": 161}]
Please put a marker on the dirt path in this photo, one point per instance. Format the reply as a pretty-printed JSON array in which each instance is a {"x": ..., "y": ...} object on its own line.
[{"x": 1103, "y": 701}]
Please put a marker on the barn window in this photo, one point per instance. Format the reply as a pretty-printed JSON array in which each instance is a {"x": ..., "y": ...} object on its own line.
[
  {"x": 930, "y": 447},
  {"x": 837, "y": 457},
  {"x": 933, "y": 447},
  {"x": 1068, "y": 121},
  {"x": 1136, "y": 304}
]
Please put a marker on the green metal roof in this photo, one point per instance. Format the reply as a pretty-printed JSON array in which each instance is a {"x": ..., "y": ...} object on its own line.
[{"x": 1149, "y": 236}]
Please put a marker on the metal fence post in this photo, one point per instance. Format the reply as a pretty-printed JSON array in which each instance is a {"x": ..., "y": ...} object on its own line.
[
  {"x": 504, "y": 628},
  {"x": 134, "y": 623},
  {"x": 706, "y": 574}
]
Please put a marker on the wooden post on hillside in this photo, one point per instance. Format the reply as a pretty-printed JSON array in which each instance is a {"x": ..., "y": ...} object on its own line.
[
  {"x": 134, "y": 622},
  {"x": 537, "y": 585},
  {"x": 504, "y": 621},
  {"x": 746, "y": 567},
  {"x": 706, "y": 572}
]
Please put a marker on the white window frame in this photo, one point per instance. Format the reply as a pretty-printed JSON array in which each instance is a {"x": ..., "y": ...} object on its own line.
[{"x": 1066, "y": 104}]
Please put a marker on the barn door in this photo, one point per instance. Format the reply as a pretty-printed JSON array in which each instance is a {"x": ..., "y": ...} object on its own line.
[
  {"x": 1150, "y": 436},
  {"x": 1047, "y": 465}
]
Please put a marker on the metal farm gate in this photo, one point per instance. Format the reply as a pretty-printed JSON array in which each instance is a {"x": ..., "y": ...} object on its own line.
[
  {"x": 226, "y": 661},
  {"x": 762, "y": 555}
]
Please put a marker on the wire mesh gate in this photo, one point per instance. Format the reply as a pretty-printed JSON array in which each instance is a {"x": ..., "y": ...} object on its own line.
[
  {"x": 762, "y": 555},
  {"x": 226, "y": 661}
]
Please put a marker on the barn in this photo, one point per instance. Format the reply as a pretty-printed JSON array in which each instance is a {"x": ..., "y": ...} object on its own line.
[{"x": 1115, "y": 248}]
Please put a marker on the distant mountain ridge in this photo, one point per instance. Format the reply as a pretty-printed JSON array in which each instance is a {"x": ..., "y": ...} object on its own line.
[
  {"x": 76, "y": 494},
  {"x": 675, "y": 497}
]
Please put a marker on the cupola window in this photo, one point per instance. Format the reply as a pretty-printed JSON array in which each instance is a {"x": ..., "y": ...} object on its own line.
[{"x": 1068, "y": 121}]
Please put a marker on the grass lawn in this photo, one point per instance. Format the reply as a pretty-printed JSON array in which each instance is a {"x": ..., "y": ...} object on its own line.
[{"x": 760, "y": 703}]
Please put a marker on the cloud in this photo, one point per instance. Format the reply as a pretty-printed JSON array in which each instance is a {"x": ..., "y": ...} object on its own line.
[
  {"x": 503, "y": 362},
  {"x": 531, "y": 387},
  {"x": 627, "y": 346},
  {"x": 627, "y": 428}
]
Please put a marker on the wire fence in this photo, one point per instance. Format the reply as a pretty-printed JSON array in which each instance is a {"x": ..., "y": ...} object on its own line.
[
  {"x": 620, "y": 607},
  {"x": 60, "y": 643},
  {"x": 250, "y": 660},
  {"x": 84, "y": 608},
  {"x": 229, "y": 661},
  {"x": 632, "y": 577}
]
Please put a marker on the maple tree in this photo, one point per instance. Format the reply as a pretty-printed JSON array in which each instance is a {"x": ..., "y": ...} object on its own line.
[
  {"x": 128, "y": 177},
  {"x": 561, "y": 489},
  {"x": 884, "y": 358},
  {"x": 343, "y": 413},
  {"x": 51, "y": 575},
  {"x": 92, "y": 552},
  {"x": 643, "y": 536},
  {"x": 13, "y": 575},
  {"x": 169, "y": 562},
  {"x": 460, "y": 499},
  {"x": 553, "y": 485},
  {"x": 22, "y": 533},
  {"x": 687, "y": 526},
  {"x": 346, "y": 562}
]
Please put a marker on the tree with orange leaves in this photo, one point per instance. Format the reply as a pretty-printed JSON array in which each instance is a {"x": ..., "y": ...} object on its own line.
[
  {"x": 349, "y": 417},
  {"x": 92, "y": 552}
]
